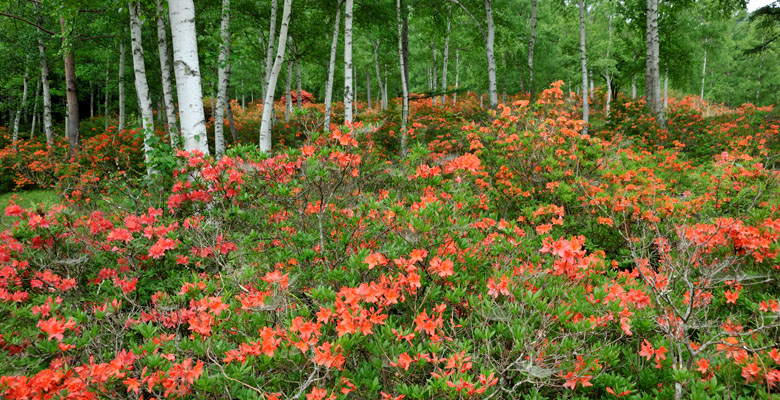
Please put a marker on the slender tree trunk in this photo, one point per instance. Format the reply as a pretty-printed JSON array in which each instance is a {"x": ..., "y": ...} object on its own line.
[
  {"x": 269, "y": 53},
  {"x": 91, "y": 101},
  {"x": 607, "y": 74},
  {"x": 48, "y": 130},
  {"x": 457, "y": 76},
  {"x": 666, "y": 88},
  {"x": 288, "y": 92},
  {"x": 384, "y": 92},
  {"x": 378, "y": 76},
  {"x": 72, "y": 95},
  {"x": 22, "y": 106},
  {"x": 633, "y": 88},
  {"x": 491, "y": 59},
  {"x": 446, "y": 60},
  {"x": 299, "y": 99},
  {"x": 583, "y": 59},
  {"x": 35, "y": 108},
  {"x": 368, "y": 88},
  {"x": 652, "y": 73},
  {"x": 703, "y": 74},
  {"x": 348, "y": 77},
  {"x": 268, "y": 101},
  {"x": 105, "y": 101},
  {"x": 121, "y": 123},
  {"x": 331, "y": 69},
  {"x": 165, "y": 75},
  {"x": 186, "y": 67},
  {"x": 404, "y": 87},
  {"x": 434, "y": 85},
  {"x": 531, "y": 44},
  {"x": 590, "y": 82},
  {"x": 141, "y": 86},
  {"x": 231, "y": 121},
  {"x": 503, "y": 89},
  {"x": 405, "y": 35},
  {"x": 243, "y": 97},
  {"x": 223, "y": 76}
]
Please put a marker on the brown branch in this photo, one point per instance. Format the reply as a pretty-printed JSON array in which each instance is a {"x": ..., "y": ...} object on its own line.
[{"x": 16, "y": 17}]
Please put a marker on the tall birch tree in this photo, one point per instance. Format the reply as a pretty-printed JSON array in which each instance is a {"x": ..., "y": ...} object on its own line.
[{"x": 268, "y": 101}]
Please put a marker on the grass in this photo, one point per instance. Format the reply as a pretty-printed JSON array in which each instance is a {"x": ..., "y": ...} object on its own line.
[{"x": 25, "y": 199}]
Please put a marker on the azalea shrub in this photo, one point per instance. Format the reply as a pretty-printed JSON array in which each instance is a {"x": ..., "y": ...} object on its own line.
[{"x": 509, "y": 254}]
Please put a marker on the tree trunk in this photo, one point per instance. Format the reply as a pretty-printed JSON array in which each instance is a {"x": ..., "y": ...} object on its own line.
[
  {"x": 531, "y": 44},
  {"x": 288, "y": 92},
  {"x": 35, "y": 108},
  {"x": 434, "y": 83},
  {"x": 331, "y": 69},
  {"x": 633, "y": 88},
  {"x": 105, "y": 101},
  {"x": 404, "y": 87},
  {"x": 243, "y": 97},
  {"x": 268, "y": 101},
  {"x": 73, "y": 96},
  {"x": 299, "y": 99},
  {"x": 269, "y": 53},
  {"x": 165, "y": 69},
  {"x": 583, "y": 59},
  {"x": 457, "y": 76},
  {"x": 186, "y": 68},
  {"x": 121, "y": 123},
  {"x": 91, "y": 100},
  {"x": 233, "y": 129},
  {"x": 445, "y": 61},
  {"x": 348, "y": 77},
  {"x": 491, "y": 59},
  {"x": 405, "y": 34},
  {"x": 368, "y": 88},
  {"x": 141, "y": 85},
  {"x": 607, "y": 75},
  {"x": 652, "y": 72},
  {"x": 666, "y": 88},
  {"x": 379, "y": 76},
  {"x": 22, "y": 106},
  {"x": 384, "y": 92},
  {"x": 47, "y": 126},
  {"x": 223, "y": 76},
  {"x": 703, "y": 74}
]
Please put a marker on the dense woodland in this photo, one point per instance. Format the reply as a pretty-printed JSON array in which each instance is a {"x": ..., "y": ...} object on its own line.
[{"x": 339, "y": 199}]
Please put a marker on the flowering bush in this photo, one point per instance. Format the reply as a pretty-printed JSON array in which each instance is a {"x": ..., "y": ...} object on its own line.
[{"x": 508, "y": 253}]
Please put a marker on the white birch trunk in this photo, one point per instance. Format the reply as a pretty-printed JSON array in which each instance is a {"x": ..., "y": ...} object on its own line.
[
  {"x": 531, "y": 43},
  {"x": 268, "y": 101},
  {"x": 583, "y": 59},
  {"x": 703, "y": 74},
  {"x": 141, "y": 86},
  {"x": 35, "y": 109},
  {"x": 491, "y": 58},
  {"x": 47, "y": 126},
  {"x": 287, "y": 92},
  {"x": 223, "y": 76},
  {"x": 299, "y": 98},
  {"x": 633, "y": 88},
  {"x": 457, "y": 76},
  {"x": 434, "y": 85},
  {"x": 405, "y": 107},
  {"x": 348, "y": 73},
  {"x": 384, "y": 92},
  {"x": 22, "y": 105},
  {"x": 666, "y": 88},
  {"x": 269, "y": 53},
  {"x": 446, "y": 60},
  {"x": 379, "y": 76},
  {"x": 186, "y": 67},
  {"x": 165, "y": 75},
  {"x": 105, "y": 100},
  {"x": 609, "y": 78},
  {"x": 652, "y": 72},
  {"x": 331, "y": 69},
  {"x": 91, "y": 101},
  {"x": 121, "y": 122},
  {"x": 368, "y": 88}
]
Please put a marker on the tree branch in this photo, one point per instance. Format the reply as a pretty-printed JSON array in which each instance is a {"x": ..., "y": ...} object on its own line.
[
  {"x": 16, "y": 17},
  {"x": 479, "y": 26}
]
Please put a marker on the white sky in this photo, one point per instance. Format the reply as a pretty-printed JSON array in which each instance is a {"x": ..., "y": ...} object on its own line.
[{"x": 756, "y": 4}]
